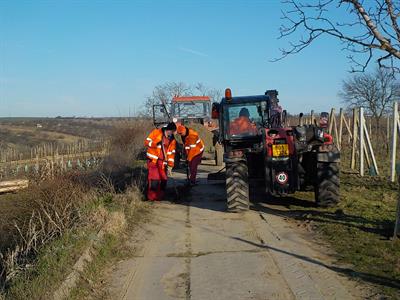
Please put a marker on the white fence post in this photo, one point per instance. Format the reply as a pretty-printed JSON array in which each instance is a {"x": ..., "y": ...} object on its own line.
[
  {"x": 394, "y": 141},
  {"x": 354, "y": 140},
  {"x": 361, "y": 138},
  {"x": 340, "y": 128},
  {"x": 371, "y": 150}
]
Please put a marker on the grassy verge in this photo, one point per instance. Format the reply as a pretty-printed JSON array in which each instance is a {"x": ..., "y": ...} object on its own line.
[
  {"x": 49, "y": 269},
  {"x": 360, "y": 230},
  {"x": 112, "y": 248},
  {"x": 114, "y": 214}
]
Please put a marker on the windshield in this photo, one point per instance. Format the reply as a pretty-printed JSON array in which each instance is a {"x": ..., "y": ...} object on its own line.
[
  {"x": 243, "y": 120},
  {"x": 191, "y": 109}
]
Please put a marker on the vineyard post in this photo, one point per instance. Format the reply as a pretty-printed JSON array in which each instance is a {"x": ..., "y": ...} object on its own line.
[
  {"x": 340, "y": 128},
  {"x": 354, "y": 142},
  {"x": 394, "y": 141},
  {"x": 361, "y": 138},
  {"x": 371, "y": 150}
]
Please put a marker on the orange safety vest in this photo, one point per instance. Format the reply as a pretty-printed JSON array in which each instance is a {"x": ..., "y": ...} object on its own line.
[
  {"x": 154, "y": 150},
  {"x": 242, "y": 125},
  {"x": 193, "y": 144}
]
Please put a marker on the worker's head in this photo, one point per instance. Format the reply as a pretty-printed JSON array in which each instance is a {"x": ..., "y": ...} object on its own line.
[
  {"x": 182, "y": 130},
  {"x": 244, "y": 112},
  {"x": 169, "y": 129}
]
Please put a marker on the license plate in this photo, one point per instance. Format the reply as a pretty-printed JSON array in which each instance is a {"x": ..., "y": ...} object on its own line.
[{"x": 280, "y": 150}]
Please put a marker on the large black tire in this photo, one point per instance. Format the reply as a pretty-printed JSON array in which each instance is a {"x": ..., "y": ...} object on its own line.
[
  {"x": 219, "y": 154},
  {"x": 237, "y": 186},
  {"x": 328, "y": 184}
]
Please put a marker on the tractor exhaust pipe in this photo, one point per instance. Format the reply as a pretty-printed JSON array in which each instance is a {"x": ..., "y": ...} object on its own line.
[{"x": 301, "y": 119}]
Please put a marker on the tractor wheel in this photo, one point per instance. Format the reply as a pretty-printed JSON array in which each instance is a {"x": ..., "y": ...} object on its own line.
[
  {"x": 328, "y": 184},
  {"x": 219, "y": 154},
  {"x": 237, "y": 186}
]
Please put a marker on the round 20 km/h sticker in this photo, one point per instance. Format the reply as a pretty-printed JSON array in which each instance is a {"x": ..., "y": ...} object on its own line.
[{"x": 282, "y": 177}]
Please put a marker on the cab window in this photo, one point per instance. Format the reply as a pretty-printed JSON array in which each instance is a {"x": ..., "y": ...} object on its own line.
[{"x": 243, "y": 120}]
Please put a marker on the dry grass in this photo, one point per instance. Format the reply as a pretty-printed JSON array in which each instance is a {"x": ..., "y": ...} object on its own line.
[
  {"x": 53, "y": 208},
  {"x": 52, "y": 228},
  {"x": 127, "y": 142}
]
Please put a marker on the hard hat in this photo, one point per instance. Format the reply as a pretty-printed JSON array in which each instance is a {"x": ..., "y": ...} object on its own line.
[
  {"x": 170, "y": 126},
  {"x": 181, "y": 129}
]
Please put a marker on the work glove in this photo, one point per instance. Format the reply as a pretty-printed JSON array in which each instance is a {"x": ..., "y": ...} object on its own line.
[{"x": 169, "y": 171}]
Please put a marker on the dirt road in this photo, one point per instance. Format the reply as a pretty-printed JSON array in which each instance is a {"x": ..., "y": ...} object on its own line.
[{"x": 195, "y": 250}]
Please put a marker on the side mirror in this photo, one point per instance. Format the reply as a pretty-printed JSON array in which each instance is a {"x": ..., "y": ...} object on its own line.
[{"x": 215, "y": 111}]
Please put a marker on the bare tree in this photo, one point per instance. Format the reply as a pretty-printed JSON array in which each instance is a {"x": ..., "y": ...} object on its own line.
[
  {"x": 373, "y": 91},
  {"x": 367, "y": 29},
  {"x": 163, "y": 94},
  {"x": 214, "y": 94}
]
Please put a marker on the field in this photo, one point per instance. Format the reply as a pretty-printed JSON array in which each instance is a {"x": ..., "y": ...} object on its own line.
[
  {"x": 18, "y": 136},
  {"x": 359, "y": 229}
]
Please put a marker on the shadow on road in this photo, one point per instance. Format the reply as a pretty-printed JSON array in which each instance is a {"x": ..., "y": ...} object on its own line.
[
  {"x": 375, "y": 279},
  {"x": 213, "y": 197}
]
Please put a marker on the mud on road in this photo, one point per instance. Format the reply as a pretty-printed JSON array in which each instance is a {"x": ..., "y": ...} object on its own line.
[{"x": 196, "y": 250}]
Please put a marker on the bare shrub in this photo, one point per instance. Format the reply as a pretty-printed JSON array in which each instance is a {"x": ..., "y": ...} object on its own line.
[
  {"x": 120, "y": 168},
  {"x": 127, "y": 139},
  {"x": 55, "y": 209}
]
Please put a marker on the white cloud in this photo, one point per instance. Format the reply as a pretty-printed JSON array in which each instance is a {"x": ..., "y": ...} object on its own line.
[{"x": 194, "y": 52}]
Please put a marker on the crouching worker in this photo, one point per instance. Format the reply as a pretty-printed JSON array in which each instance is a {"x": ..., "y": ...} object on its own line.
[
  {"x": 161, "y": 146},
  {"x": 194, "y": 148}
]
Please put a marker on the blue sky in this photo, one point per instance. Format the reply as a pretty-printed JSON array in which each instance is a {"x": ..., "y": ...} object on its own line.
[{"x": 102, "y": 58}]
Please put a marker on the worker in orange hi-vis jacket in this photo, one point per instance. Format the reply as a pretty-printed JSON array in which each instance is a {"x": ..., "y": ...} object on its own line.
[
  {"x": 194, "y": 148},
  {"x": 242, "y": 124},
  {"x": 161, "y": 146}
]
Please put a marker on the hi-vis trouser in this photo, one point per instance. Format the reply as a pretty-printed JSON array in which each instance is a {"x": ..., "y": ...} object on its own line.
[{"x": 156, "y": 180}]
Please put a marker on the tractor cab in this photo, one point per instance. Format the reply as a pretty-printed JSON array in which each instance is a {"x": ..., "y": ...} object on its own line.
[
  {"x": 191, "y": 109},
  {"x": 242, "y": 119},
  {"x": 185, "y": 110}
]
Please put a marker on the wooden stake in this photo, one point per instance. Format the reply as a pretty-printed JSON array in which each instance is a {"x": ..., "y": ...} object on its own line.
[
  {"x": 361, "y": 139},
  {"x": 331, "y": 116},
  {"x": 394, "y": 142},
  {"x": 371, "y": 151},
  {"x": 340, "y": 128},
  {"x": 347, "y": 125},
  {"x": 354, "y": 144}
]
